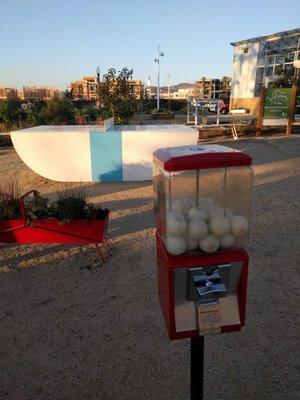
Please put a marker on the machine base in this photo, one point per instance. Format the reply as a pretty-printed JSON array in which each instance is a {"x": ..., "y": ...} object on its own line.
[{"x": 179, "y": 313}]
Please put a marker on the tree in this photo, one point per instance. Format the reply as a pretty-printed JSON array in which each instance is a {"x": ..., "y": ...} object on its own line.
[
  {"x": 68, "y": 94},
  {"x": 35, "y": 112},
  {"x": 11, "y": 111},
  {"x": 286, "y": 79},
  {"x": 115, "y": 95},
  {"x": 58, "y": 109}
]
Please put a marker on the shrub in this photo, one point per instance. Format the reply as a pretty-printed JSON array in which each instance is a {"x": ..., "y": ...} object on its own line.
[
  {"x": 11, "y": 111},
  {"x": 68, "y": 207},
  {"x": 37, "y": 207},
  {"x": 58, "y": 110},
  {"x": 5, "y": 141},
  {"x": 9, "y": 201}
]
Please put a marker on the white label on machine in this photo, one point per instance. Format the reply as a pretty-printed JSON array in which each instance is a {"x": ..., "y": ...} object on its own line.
[{"x": 208, "y": 318}]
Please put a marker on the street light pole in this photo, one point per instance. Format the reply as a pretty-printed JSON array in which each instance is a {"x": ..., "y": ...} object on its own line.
[
  {"x": 156, "y": 60},
  {"x": 157, "y": 88}
]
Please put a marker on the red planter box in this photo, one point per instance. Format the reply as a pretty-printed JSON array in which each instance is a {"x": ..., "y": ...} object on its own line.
[{"x": 53, "y": 231}]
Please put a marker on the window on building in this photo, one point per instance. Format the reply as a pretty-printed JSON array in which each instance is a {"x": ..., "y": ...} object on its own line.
[
  {"x": 271, "y": 59},
  {"x": 290, "y": 57},
  {"x": 289, "y": 68},
  {"x": 257, "y": 89},
  {"x": 280, "y": 56},
  {"x": 261, "y": 60},
  {"x": 278, "y": 69},
  {"x": 279, "y": 59},
  {"x": 259, "y": 75},
  {"x": 269, "y": 71}
]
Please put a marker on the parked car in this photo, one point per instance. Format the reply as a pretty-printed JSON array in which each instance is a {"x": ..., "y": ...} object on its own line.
[
  {"x": 212, "y": 107},
  {"x": 224, "y": 107}
]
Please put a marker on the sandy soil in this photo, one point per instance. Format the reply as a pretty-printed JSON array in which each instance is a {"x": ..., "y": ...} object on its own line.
[{"x": 71, "y": 329}]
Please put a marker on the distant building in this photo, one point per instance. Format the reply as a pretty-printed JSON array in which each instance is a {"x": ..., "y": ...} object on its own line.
[
  {"x": 181, "y": 91},
  {"x": 137, "y": 88},
  {"x": 209, "y": 88},
  {"x": 39, "y": 93},
  {"x": 86, "y": 88},
  {"x": 8, "y": 93},
  {"x": 261, "y": 60},
  {"x": 181, "y": 94}
]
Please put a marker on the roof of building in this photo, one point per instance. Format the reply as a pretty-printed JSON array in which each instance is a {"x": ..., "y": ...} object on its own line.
[{"x": 268, "y": 37}]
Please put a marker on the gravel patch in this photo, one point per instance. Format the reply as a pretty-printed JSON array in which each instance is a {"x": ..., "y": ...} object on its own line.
[{"x": 73, "y": 329}]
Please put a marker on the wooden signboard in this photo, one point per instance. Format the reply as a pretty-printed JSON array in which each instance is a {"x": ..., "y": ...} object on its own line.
[
  {"x": 276, "y": 108},
  {"x": 277, "y": 105}
]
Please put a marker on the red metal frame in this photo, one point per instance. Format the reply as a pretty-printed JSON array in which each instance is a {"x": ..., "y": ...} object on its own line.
[
  {"x": 166, "y": 264},
  {"x": 53, "y": 231}
]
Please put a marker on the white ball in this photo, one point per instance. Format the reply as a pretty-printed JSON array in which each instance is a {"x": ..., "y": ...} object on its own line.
[
  {"x": 190, "y": 202},
  {"x": 227, "y": 240},
  {"x": 205, "y": 202},
  {"x": 228, "y": 213},
  {"x": 197, "y": 229},
  {"x": 175, "y": 245},
  {"x": 209, "y": 244},
  {"x": 175, "y": 214},
  {"x": 191, "y": 243},
  {"x": 215, "y": 212},
  {"x": 239, "y": 225},
  {"x": 219, "y": 226},
  {"x": 183, "y": 205},
  {"x": 198, "y": 213},
  {"x": 176, "y": 225}
]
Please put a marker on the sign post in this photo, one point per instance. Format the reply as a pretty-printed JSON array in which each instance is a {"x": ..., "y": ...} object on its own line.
[
  {"x": 291, "y": 109},
  {"x": 261, "y": 111}
]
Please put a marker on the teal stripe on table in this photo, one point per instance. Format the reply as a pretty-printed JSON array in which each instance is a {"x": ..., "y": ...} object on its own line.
[{"x": 106, "y": 156}]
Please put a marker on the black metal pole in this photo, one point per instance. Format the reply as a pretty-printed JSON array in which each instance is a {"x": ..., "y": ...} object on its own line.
[{"x": 197, "y": 367}]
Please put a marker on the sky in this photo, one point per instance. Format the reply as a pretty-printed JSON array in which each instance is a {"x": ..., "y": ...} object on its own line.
[{"x": 52, "y": 42}]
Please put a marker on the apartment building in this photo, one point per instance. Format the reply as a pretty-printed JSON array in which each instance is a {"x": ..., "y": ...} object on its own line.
[
  {"x": 180, "y": 94},
  {"x": 137, "y": 88},
  {"x": 209, "y": 88},
  {"x": 8, "y": 93},
  {"x": 86, "y": 88},
  {"x": 39, "y": 93}
]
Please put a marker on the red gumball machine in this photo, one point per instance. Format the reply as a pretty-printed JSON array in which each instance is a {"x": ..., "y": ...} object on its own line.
[{"x": 202, "y": 212}]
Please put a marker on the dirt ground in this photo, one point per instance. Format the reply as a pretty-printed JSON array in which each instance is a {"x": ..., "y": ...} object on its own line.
[{"x": 71, "y": 329}]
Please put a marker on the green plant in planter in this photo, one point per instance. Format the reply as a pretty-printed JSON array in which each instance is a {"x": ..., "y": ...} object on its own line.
[
  {"x": 68, "y": 209},
  {"x": 9, "y": 208},
  {"x": 37, "y": 207},
  {"x": 92, "y": 211},
  {"x": 9, "y": 201},
  {"x": 69, "y": 206}
]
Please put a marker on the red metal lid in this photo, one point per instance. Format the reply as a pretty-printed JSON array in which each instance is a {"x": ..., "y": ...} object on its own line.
[{"x": 199, "y": 157}]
